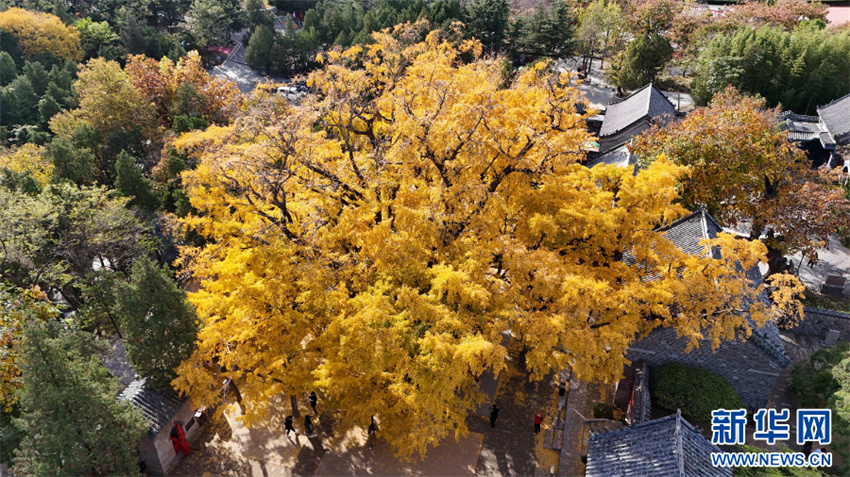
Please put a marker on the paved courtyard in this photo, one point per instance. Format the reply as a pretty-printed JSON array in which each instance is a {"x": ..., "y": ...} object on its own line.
[{"x": 227, "y": 447}]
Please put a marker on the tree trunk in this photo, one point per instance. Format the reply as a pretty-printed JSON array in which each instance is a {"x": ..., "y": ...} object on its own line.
[
  {"x": 776, "y": 263},
  {"x": 114, "y": 325},
  {"x": 237, "y": 395},
  {"x": 294, "y": 402}
]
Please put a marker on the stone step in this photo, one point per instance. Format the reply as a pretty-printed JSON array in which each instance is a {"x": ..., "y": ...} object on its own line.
[
  {"x": 553, "y": 440},
  {"x": 558, "y": 423}
]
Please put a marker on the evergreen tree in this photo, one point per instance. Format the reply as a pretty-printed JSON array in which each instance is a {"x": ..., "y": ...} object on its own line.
[
  {"x": 159, "y": 325},
  {"x": 97, "y": 311},
  {"x": 71, "y": 162},
  {"x": 8, "y": 70},
  {"x": 442, "y": 12},
  {"x": 257, "y": 55},
  {"x": 73, "y": 424},
  {"x": 132, "y": 34},
  {"x": 488, "y": 21},
  {"x": 47, "y": 107},
  {"x": 258, "y": 15},
  {"x": 644, "y": 58},
  {"x": 37, "y": 75},
  {"x": 130, "y": 182},
  {"x": 22, "y": 88}
]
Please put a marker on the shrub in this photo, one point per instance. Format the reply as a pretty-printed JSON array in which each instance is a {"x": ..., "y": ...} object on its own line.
[
  {"x": 812, "y": 381},
  {"x": 695, "y": 391}
]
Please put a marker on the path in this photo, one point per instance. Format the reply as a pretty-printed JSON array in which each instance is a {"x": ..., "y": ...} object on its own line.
[
  {"x": 227, "y": 447},
  {"x": 600, "y": 93},
  {"x": 235, "y": 69},
  {"x": 832, "y": 260},
  {"x": 512, "y": 447}
]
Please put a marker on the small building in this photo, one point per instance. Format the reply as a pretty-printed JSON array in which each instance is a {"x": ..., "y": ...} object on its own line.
[
  {"x": 665, "y": 447},
  {"x": 750, "y": 365},
  {"x": 821, "y": 135},
  {"x": 627, "y": 117},
  {"x": 160, "y": 409},
  {"x": 618, "y": 156}
]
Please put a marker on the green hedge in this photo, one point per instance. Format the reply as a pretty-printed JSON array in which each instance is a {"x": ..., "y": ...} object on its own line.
[{"x": 695, "y": 391}]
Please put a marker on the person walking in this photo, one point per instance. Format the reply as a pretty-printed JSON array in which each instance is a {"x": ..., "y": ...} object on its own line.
[
  {"x": 178, "y": 438},
  {"x": 538, "y": 419},
  {"x": 287, "y": 424},
  {"x": 494, "y": 414},
  {"x": 308, "y": 426},
  {"x": 373, "y": 429},
  {"x": 313, "y": 401}
]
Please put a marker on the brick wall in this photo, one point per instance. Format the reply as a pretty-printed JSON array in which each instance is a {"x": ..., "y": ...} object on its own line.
[{"x": 743, "y": 364}]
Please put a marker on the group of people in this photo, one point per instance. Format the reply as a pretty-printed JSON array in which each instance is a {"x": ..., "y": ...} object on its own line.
[
  {"x": 308, "y": 422},
  {"x": 494, "y": 414},
  {"x": 308, "y": 425},
  {"x": 308, "y": 419},
  {"x": 178, "y": 437}
]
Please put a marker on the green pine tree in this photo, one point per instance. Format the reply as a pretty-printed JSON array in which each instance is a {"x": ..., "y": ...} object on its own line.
[
  {"x": 130, "y": 182},
  {"x": 259, "y": 46},
  {"x": 644, "y": 58},
  {"x": 8, "y": 70},
  {"x": 160, "y": 326},
  {"x": 72, "y": 422}
]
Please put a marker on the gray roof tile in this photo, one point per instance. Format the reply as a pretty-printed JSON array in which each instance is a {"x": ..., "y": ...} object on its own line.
[
  {"x": 645, "y": 102},
  {"x": 619, "y": 156},
  {"x": 158, "y": 407},
  {"x": 836, "y": 118},
  {"x": 686, "y": 234},
  {"x": 669, "y": 446}
]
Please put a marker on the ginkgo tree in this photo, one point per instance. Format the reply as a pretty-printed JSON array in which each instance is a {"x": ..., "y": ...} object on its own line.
[{"x": 376, "y": 240}]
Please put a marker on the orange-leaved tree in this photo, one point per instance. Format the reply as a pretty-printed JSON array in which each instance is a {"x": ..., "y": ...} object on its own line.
[
  {"x": 745, "y": 170},
  {"x": 376, "y": 240},
  {"x": 183, "y": 88}
]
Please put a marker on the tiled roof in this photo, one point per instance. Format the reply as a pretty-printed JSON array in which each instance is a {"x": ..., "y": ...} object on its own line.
[
  {"x": 647, "y": 101},
  {"x": 665, "y": 447},
  {"x": 826, "y": 140},
  {"x": 158, "y": 407},
  {"x": 800, "y": 127},
  {"x": 802, "y": 135},
  {"x": 836, "y": 117},
  {"x": 618, "y": 156},
  {"x": 792, "y": 116},
  {"x": 686, "y": 234}
]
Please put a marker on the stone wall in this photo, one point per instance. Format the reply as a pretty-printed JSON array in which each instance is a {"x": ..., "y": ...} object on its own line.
[
  {"x": 158, "y": 451},
  {"x": 742, "y": 363},
  {"x": 818, "y": 322}
]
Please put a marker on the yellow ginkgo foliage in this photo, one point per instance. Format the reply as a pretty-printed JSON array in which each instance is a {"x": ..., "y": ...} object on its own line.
[
  {"x": 29, "y": 158},
  {"x": 38, "y": 32},
  {"x": 376, "y": 240}
]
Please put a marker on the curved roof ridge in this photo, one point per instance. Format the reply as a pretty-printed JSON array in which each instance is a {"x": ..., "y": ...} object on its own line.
[
  {"x": 831, "y": 103},
  {"x": 620, "y": 100}
]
